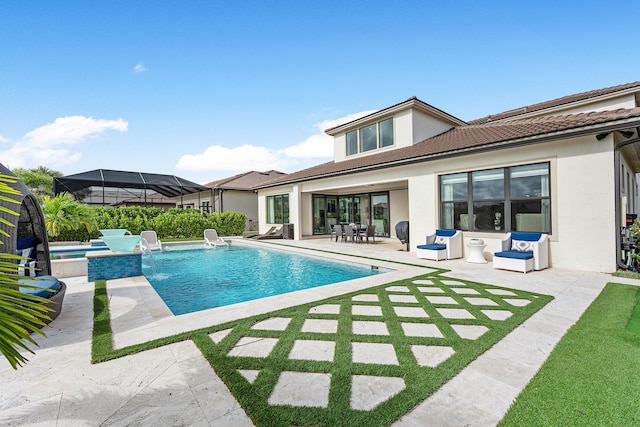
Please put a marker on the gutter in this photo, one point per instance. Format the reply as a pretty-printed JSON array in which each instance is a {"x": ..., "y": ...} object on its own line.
[{"x": 616, "y": 166}]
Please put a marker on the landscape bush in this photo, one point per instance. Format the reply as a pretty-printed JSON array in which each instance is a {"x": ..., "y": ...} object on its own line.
[{"x": 172, "y": 223}]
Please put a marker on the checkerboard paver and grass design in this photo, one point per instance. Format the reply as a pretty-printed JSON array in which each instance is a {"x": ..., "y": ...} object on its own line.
[{"x": 362, "y": 358}]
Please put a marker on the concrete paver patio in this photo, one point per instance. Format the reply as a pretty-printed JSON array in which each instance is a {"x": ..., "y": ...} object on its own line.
[{"x": 175, "y": 385}]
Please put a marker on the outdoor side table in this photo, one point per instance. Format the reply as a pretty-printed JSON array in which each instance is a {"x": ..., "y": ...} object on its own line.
[{"x": 476, "y": 246}]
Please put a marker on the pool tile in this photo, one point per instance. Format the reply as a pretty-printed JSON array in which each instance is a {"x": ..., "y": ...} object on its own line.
[
  {"x": 272, "y": 324},
  {"x": 369, "y": 391},
  {"x": 430, "y": 290},
  {"x": 421, "y": 330},
  {"x": 497, "y": 314},
  {"x": 403, "y": 298},
  {"x": 216, "y": 337},
  {"x": 301, "y": 389},
  {"x": 470, "y": 332},
  {"x": 326, "y": 309},
  {"x": 366, "y": 297},
  {"x": 465, "y": 291},
  {"x": 440, "y": 300},
  {"x": 455, "y": 313},
  {"x": 325, "y": 326},
  {"x": 366, "y": 310},
  {"x": 501, "y": 292},
  {"x": 397, "y": 289},
  {"x": 373, "y": 353},
  {"x": 431, "y": 355},
  {"x": 410, "y": 312},
  {"x": 480, "y": 301},
  {"x": 518, "y": 302},
  {"x": 253, "y": 347},
  {"x": 369, "y": 328},
  {"x": 313, "y": 350}
]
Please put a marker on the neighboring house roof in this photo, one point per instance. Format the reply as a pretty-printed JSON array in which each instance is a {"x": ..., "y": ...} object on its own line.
[
  {"x": 245, "y": 181},
  {"x": 570, "y": 99},
  {"x": 475, "y": 137}
]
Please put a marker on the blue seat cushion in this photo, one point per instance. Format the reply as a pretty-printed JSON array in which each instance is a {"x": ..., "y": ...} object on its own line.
[
  {"x": 445, "y": 233},
  {"x": 529, "y": 237},
  {"x": 26, "y": 242},
  {"x": 48, "y": 284},
  {"x": 515, "y": 254},
  {"x": 433, "y": 247}
]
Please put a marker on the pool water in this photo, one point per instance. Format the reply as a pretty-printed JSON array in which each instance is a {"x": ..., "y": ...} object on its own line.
[
  {"x": 63, "y": 253},
  {"x": 191, "y": 280}
]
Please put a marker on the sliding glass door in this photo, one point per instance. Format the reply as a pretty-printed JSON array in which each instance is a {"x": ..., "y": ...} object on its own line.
[{"x": 369, "y": 209}]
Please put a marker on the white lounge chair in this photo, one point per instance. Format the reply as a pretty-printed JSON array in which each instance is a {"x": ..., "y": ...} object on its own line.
[
  {"x": 150, "y": 241},
  {"x": 211, "y": 238}
]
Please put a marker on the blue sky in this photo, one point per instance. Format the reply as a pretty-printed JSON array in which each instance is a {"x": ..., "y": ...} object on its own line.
[{"x": 208, "y": 89}]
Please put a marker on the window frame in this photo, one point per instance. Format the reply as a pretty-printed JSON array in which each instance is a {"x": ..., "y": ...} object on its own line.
[
  {"x": 450, "y": 206},
  {"x": 278, "y": 209},
  {"x": 355, "y": 146}
]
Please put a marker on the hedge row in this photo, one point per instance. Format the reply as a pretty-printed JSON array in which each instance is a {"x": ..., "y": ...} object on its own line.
[{"x": 172, "y": 223}]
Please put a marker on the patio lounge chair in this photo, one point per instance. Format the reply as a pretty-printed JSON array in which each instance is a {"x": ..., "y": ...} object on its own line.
[
  {"x": 523, "y": 251},
  {"x": 212, "y": 240},
  {"x": 269, "y": 231},
  {"x": 275, "y": 234},
  {"x": 150, "y": 241},
  {"x": 443, "y": 244}
]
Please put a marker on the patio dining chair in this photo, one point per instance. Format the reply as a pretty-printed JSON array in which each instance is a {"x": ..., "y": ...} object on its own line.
[
  {"x": 336, "y": 230},
  {"x": 366, "y": 232},
  {"x": 348, "y": 234}
]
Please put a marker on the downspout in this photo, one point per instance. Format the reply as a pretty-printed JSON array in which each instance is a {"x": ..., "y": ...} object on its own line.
[{"x": 616, "y": 166}]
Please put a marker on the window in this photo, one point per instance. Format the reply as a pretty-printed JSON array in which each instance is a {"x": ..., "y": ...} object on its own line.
[
  {"x": 278, "y": 209},
  {"x": 506, "y": 199},
  {"x": 352, "y": 143},
  {"x": 370, "y": 137},
  {"x": 386, "y": 132}
]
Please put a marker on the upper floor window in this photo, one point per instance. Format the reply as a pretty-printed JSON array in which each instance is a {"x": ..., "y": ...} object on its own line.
[
  {"x": 370, "y": 137},
  {"x": 505, "y": 199}
]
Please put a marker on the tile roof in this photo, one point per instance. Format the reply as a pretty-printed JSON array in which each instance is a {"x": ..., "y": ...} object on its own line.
[
  {"x": 245, "y": 181},
  {"x": 472, "y": 137},
  {"x": 555, "y": 103}
]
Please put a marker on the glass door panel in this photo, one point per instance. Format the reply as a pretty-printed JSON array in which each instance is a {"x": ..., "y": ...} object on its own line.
[
  {"x": 380, "y": 211},
  {"x": 319, "y": 215}
]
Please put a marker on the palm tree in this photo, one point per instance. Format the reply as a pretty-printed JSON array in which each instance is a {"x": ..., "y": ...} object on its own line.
[
  {"x": 20, "y": 313},
  {"x": 63, "y": 212}
]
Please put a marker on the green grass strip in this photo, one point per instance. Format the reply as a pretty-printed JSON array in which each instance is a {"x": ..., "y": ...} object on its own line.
[
  {"x": 592, "y": 377},
  {"x": 420, "y": 381}
]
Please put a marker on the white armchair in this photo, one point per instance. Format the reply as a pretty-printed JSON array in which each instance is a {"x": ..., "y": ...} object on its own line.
[
  {"x": 443, "y": 244},
  {"x": 523, "y": 251}
]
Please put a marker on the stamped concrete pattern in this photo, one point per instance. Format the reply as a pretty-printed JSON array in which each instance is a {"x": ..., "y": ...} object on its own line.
[{"x": 174, "y": 385}]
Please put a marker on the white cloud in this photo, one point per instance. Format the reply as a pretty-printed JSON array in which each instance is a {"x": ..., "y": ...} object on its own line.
[
  {"x": 49, "y": 144},
  {"x": 318, "y": 148},
  {"x": 139, "y": 68}
]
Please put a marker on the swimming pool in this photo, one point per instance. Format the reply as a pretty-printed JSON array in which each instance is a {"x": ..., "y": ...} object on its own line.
[
  {"x": 73, "y": 252},
  {"x": 194, "y": 279}
]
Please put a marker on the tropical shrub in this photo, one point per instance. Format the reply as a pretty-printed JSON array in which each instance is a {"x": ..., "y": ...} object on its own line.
[
  {"x": 63, "y": 212},
  {"x": 172, "y": 223}
]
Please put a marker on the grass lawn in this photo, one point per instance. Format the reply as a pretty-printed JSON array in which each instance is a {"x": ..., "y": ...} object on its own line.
[
  {"x": 412, "y": 336},
  {"x": 592, "y": 377}
]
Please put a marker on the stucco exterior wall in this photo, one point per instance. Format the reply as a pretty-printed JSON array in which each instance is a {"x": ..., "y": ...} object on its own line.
[
  {"x": 582, "y": 197},
  {"x": 398, "y": 209}
]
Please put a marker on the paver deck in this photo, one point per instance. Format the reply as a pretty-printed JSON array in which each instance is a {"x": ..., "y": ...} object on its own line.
[{"x": 174, "y": 385}]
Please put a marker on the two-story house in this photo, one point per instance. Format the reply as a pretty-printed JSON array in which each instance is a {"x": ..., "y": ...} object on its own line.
[{"x": 565, "y": 167}]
